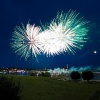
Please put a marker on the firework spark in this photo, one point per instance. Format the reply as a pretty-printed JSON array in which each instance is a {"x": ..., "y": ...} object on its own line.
[
  {"x": 25, "y": 41},
  {"x": 64, "y": 34}
]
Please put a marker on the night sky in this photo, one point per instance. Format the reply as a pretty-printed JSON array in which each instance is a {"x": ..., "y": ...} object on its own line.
[{"x": 15, "y": 12}]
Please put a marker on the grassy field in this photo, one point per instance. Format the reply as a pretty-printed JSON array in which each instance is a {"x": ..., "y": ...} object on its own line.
[{"x": 42, "y": 88}]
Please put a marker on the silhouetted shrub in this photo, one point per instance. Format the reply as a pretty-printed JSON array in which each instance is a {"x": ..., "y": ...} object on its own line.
[
  {"x": 87, "y": 75},
  {"x": 47, "y": 74},
  {"x": 33, "y": 74},
  {"x": 39, "y": 74},
  {"x": 42, "y": 74},
  {"x": 9, "y": 88},
  {"x": 75, "y": 75}
]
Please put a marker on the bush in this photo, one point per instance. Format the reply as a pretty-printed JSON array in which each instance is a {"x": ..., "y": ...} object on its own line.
[
  {"x": 75, "y": 75},
  {"x": 46, "y": 74},
  {"x": 33, "y": 74},
  {"x": 87, "y": 75},
  {"x": 42, "y": 74},
  {"x": 10, "y": 89}
]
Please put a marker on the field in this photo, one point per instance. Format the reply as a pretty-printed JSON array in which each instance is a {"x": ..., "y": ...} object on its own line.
[{"x": 43, "y": 88}]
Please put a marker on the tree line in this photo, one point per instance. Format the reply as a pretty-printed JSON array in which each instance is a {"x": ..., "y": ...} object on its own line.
[{"x": 85, "y": 75}]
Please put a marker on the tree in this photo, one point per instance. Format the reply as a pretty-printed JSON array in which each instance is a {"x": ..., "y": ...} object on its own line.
[
  {"x": 9, "y": 88},
  {"x": 87, "y": 75},
  {"x": 75, "y": 75}
]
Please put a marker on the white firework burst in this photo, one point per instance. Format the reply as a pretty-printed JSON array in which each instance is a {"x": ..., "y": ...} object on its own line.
[
  {"x": 52, "y": 43},
  {"x": 25, "y": 41},
  {"x": 64, "y": 34}
]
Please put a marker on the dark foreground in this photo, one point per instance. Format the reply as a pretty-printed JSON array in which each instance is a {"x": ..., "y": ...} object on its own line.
[{"x": 42, "y": 88}]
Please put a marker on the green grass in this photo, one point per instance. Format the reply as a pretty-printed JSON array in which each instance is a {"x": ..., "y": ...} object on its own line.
[{"x": 42, "y": 88}]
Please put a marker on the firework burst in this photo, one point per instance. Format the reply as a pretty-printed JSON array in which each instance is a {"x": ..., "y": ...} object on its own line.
[
  {"x": 64, "y": 34},
  {"x": 25, "y": 41}
]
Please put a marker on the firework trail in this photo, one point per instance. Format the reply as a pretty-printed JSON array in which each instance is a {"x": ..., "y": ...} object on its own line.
[
  {"x": 64, "y": 34},
  {"x": 25, "y": 41}
]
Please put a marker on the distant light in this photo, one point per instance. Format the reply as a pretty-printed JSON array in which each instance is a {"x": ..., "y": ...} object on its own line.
[{"x": 95, "y": 52}]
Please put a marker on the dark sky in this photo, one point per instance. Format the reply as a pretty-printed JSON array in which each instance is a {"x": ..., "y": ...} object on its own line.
[{"x": 15, "y": 12}]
